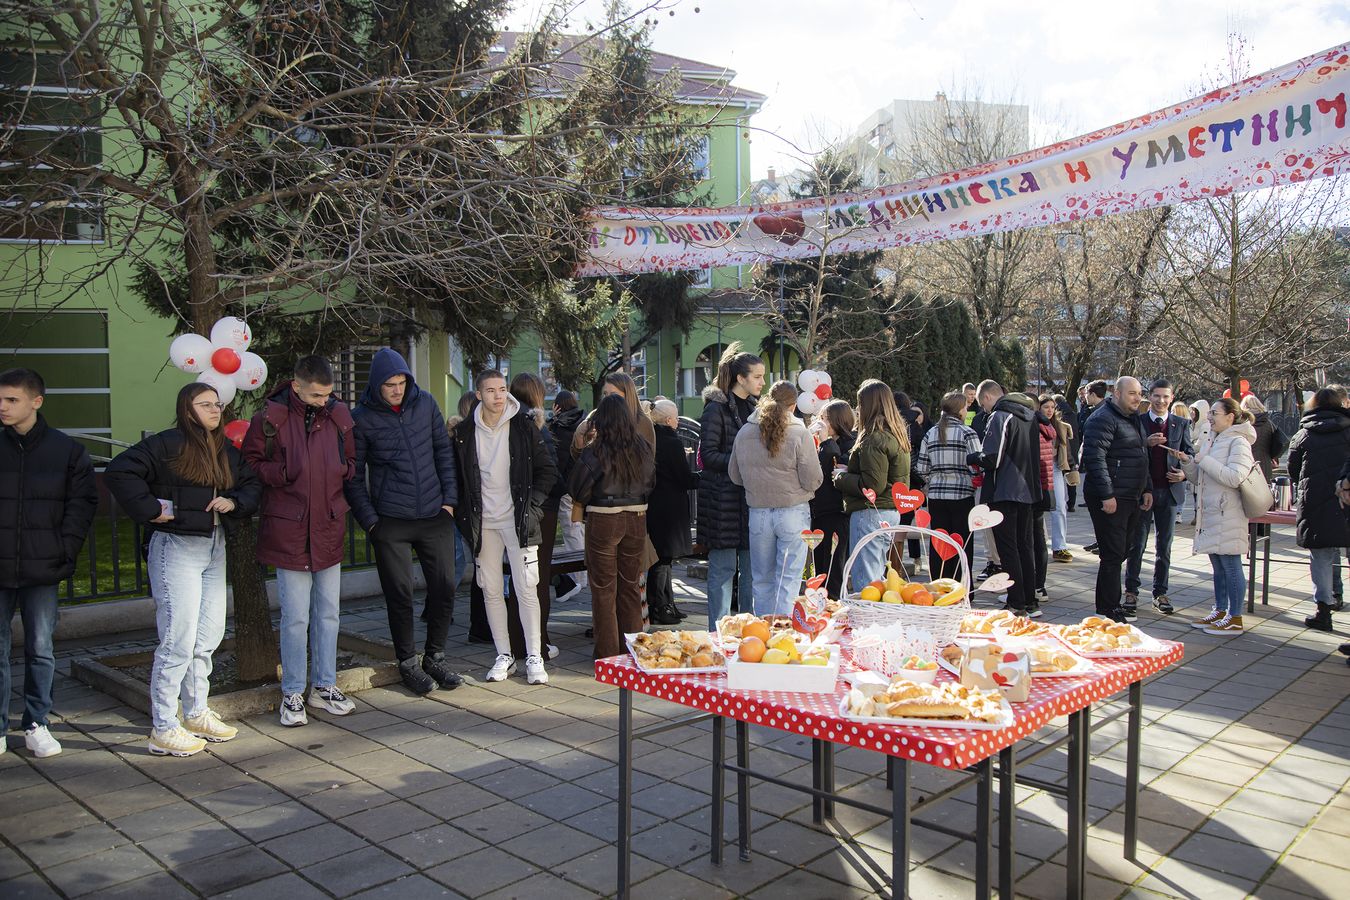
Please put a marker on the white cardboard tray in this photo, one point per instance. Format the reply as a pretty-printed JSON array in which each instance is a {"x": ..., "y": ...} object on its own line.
[{"x": 628, "y": 640}]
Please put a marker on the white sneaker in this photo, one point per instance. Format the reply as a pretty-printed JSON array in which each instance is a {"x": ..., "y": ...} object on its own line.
[
  {"x": 552, "y": 651},
  {"x": 332, "y": 700},
  {"x": 534, "y": 670},
  {"x": 563, "y": 598},
  {"x": 293, "y": 710},
  {"x": 4, "y": 744},
  {"x": 40, "y": 741},
  {"x": 209, "y": 727},
  {"x": 504, "y": 667},
  {"x": 175, "y": 742}
]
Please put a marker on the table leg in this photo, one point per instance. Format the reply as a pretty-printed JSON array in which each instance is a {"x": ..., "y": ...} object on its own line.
[
  {"x": 1133, "y": 733},
  {"x": 897, "y": 770},
  {"x": 984, "y": 821},
  {"x": 1251, "y": 567},
  {"x": 625, "y": 803},
  {"x": 1078, "y": 772},
  {"x": 817, "y": 781},
  {"x": 1265, "y": 577},
  {"x": 719, "y": 786},
  {"x": 827, "y": 777},
  {"x": 1007, "y": 818},
  {"x": 743, "y": 788}
]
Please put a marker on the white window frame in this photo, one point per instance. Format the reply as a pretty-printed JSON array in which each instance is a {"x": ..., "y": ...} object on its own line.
[{"x": 704, "y": 152}]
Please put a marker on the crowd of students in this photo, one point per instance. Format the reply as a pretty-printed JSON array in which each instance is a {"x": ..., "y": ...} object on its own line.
[{"x": 489, "y": 489}]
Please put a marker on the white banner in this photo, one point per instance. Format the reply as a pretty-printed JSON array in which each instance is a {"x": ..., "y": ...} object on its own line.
[{"x": 1284, "y": 126}]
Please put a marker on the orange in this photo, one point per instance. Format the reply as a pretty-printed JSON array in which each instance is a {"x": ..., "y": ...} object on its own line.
[
  {"x": 756, "y": 629},
  {"x": 908, "y": 591},
  {"x": 879, "y": 585},
  {"x": 751, "y": 649},
  {"x": 921, "y": 597}
]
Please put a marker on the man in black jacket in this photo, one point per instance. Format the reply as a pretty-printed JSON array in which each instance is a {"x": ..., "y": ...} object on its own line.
[
  {"x": 1116, "y": 488},
  {"x": 1090, "y": 396},
  {"x": 47, "y": 503},
  {"x": 408, "y": 504},
  {"x": 1162, "y": 431},
  {"x": 1011, "y": 458},
  {"x": 506, "y": 474}
]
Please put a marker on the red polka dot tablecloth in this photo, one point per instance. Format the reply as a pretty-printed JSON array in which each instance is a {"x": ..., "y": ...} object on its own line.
[{"x": 817, "y": 715}]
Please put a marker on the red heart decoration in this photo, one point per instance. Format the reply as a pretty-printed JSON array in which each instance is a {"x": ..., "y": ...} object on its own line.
[
  {"x": 786, "y": 228},
  {"x": 806, "y": 624},
  {"x": 1010, "y": 657},
  {"x": 823, "y": 391},
  {"x": 944, "y": 550},
  {"x": 871, "y": 495},
  {"x": 905, "y": 500},
  {"x": 922, "y": 518},
  {"x": 818, "y": 581},
  {"x": 998, "y": 679}
]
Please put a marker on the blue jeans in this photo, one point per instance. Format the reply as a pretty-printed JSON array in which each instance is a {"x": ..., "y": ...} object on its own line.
[
  {"x": 1059, "y": 519},
  {"x": 187, "y": 578},
  {"x": 777, "y": 556},
  {"x": 1230, "y": 584},
  {"x": 310, "y": 604},
  {"x": 1325, "y": 565},
  {"x": 871, "y": 563},
  {"x": 37, "y": 609},
  {"x": 1163, "y": 519},
  {"x": 722, "y": 564}
]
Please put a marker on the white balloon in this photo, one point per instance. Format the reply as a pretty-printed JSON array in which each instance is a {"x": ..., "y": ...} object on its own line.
[
  {"x": 190, "y": 352},
  {"x": 824, "y": 378},
  {"x": 252, "y": 373},
  {"x": 808, "y": 379},
  {"x": 223, "y": 384},
  {"x": 231, "y": 332},
  {"x": 804, "y": 404}
]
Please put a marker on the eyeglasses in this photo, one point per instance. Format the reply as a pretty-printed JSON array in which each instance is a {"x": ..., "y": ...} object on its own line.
[{"x": 209, "y": 405}]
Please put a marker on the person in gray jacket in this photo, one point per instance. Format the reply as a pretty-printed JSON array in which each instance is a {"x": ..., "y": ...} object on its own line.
[{"x": 774, "y": 459}]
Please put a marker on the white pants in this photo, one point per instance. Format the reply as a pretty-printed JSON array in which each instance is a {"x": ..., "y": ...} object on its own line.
[
  {"x": 574, "y": 534},
  {"x": 524, "y": 563}
]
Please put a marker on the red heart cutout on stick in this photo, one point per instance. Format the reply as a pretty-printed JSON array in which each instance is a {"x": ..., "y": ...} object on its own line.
[
  {"x": 870, "y": 495},
  {"x": 818, "y": 581},
  {"x": 905, "y": 500},
  {"x": 922, "y": 518},
  {"x": 945, "y": 551},
  {"x": 806, "y": 624}
]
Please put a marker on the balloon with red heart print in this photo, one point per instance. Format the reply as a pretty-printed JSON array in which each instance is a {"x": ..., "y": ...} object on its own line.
[
  {"x": 905, "y": 500},
  {"x": 235, "y": 431},
  {"x": 922, "y": 518},
  {"x": 223, "y": 361}
]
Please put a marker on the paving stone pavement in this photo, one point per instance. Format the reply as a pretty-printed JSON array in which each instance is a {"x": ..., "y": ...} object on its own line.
[{"x": 507, "y": 790}]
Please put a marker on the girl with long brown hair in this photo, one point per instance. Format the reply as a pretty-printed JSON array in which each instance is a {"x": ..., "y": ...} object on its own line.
[
  {"x": 879, "y": 460},
  {"x": 190, "y": 487},
  {"x": 774, "y": 459},
  {"x": 610, "y": 482}
]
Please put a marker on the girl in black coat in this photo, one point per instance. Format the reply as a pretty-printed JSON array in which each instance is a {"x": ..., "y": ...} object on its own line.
[
  {"x": 1317, "y": 456},
  {"x": 192, "y": 486},
  {"x": 668, "y": 514},
  {"x": 834, "y": 429},
  {"x": 723, "y": 517}
]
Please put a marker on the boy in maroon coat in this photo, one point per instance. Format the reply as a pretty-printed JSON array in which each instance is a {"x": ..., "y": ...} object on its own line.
[{"x": 302, "y": 448}]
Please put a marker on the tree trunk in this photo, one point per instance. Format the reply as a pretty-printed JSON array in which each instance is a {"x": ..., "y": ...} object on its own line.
[{"x": 255, "y": 641}]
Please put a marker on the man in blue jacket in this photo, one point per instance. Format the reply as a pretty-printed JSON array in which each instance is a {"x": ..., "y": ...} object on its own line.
[
  {"x": 404, "y": 495},
  {"x": 1116, "y": 488}
]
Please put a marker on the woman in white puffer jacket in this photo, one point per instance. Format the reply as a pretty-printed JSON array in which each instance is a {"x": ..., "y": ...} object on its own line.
[{"x": 1217, "y": 471}]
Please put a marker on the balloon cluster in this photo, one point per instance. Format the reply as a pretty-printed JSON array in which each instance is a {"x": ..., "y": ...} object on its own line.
[
  {"x": 223, "y": 361},
  {"x": 815, "y": 391}
]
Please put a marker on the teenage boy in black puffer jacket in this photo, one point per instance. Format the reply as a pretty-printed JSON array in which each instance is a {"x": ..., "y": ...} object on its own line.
[{"x": 47, "y": 503}]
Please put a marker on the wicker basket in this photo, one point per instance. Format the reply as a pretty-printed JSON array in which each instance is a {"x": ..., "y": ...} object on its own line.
[{"x": 943, "y": 622}]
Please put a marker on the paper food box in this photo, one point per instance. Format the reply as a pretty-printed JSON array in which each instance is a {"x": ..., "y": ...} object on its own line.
[
  {"x": 795, "y": 676},
  {"x": 991, "y": 666}
]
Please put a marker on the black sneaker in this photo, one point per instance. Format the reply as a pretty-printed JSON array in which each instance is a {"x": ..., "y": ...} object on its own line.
[
  {"x": 414, "y": 679},
  {"x": 1129, "y": 613},
  {"x": 1020, "y": 613},
  {"x": 1344, "y": 648},
  {"x": 1116, "y": 615},
  {"x": 1043, "y": 593},
  {"x": 990, "y": 571},
  {"x": 1163, "y": 605},
  {"x": 1093, "y": 548},
  {"x": 435, "y": 666},
  {"x": 1034, "y": 612}
]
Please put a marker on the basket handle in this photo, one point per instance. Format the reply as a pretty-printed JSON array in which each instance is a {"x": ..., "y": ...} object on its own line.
[{"x": 908, "y": 530}]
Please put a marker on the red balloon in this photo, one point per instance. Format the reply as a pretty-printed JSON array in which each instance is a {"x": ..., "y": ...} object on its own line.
[
  {"x": 226, "y": 361},
  {"x": 235, "y": 431},
  {"x": 823, "y": 391}
]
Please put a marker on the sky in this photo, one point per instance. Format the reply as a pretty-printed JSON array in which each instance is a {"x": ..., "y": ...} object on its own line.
[{"x": 828, "y": 64}]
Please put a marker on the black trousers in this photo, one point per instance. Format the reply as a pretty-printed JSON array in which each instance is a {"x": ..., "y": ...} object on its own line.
[
  {"x": 1042, "y": 550},
  {"x": 1116, "y": 535},
  {"x": 832, "y": 524},
  {"x": 1017, "y": 551},
  {"x": 953, "y": 516},
  {"x": 394, "y": 541},
  {"x": 660, "y": 586}
]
